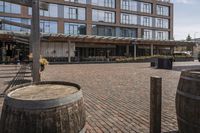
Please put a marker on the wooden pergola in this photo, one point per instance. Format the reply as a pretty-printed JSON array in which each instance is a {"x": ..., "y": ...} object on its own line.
[{"x": 23, "y": 37}]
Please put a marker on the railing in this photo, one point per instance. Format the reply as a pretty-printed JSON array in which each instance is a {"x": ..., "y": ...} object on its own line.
[{"x": 18, "y": 79}]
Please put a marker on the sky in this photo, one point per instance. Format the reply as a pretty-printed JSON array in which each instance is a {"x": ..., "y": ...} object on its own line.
[{"x": 186, "y": 18}]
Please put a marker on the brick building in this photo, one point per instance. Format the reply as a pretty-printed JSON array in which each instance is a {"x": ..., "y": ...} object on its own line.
[{"x": 121, "y": 19}]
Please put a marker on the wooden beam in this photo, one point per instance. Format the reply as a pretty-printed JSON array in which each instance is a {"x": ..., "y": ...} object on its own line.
[{"x": 4, "y": 21}]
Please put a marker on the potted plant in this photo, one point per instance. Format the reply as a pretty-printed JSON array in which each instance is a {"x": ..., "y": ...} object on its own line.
[{"x": 43, "y": 63}]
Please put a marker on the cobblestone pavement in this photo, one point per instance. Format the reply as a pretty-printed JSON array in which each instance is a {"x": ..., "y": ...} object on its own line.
[{"x": 116, "y": 95}]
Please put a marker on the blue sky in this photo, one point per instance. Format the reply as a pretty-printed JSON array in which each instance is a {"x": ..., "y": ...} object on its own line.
[{"x": 186, "y": 19}]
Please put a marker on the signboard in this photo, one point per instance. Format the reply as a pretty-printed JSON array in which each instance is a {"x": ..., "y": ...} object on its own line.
[{"x": 42, "y": 5}]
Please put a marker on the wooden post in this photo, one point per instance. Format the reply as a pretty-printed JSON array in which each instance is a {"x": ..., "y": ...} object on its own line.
[
  {"x": 35, "y": 33},
  {"x": 155, "y": 104},
  {"x": 69, "y": 51},
  {"x": 135, "y": 51}
]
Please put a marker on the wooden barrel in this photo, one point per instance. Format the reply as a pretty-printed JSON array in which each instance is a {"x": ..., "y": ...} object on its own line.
[
  {"x": 188, "y": 102},
  {"x": 45, "y": 107}
]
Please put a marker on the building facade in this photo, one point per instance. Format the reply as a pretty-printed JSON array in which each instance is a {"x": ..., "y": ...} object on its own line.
[{"x": 145, "y": 19}]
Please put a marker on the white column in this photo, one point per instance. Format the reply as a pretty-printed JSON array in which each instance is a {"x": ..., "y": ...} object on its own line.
[{"x": 127, "y": 50}]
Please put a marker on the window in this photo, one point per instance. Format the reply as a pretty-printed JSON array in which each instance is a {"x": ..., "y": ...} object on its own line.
[
  {"x": 10, "y": 8},
  {"x": 104, "y": 3},
  {"x": 75, "y": 29},
  {"x": 1, "y": 6},
  {"x": 146, "y": 21},
  {"x": 162, "y": 10},
  {"x": 71, "y": 12},
  {"x": 130, "y": 5},
  {"x": 108, "y": 17},
  {"x": 162, "y": 23},
  {"x": 146, "y": 7},
  {"x": 147, "y": 34},
  {"x": 103, "y": 16},
  {"x": 126, "y": 32},
  {"x": 162, "y": 35},
  {"x": 48, "y": 26},
  {"x": 77, "y": 1},
  {"x": 128, "y": 18},
  {"x": 52, "y": 12},
  {"x": 103, "y": 30}
]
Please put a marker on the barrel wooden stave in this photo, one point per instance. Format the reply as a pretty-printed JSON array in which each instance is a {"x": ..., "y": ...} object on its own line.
[
  {"x": 188, "y": 103},
  {"x": 68, "y": 118}
]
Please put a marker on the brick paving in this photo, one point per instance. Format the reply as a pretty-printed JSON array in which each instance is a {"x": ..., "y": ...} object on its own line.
[{"x": 117, "y": 95}]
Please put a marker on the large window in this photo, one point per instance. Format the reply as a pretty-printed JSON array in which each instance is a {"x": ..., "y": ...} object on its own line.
[
  {"x": 146, "y": 7},
  {"x": 103, "y": 30},
  {"x": 162, "y": 23},
  {"x": 52, "y": 12},
  {"x": 77, "y": 1},
  {"x": 147, "y": 34},
  {"x": 162, "y": 10},
  {"x": 128, "y": 18},
  {"x": 75, "y": 29},
  {"x": 10, "y": 8},
  {"x": 146, "y": 21},
  {"x": 162, "y": 35},
  {"x": 48, "y": 26},
  {"x": 103, "y": 16},
  {"x": 104, "y": 3},
  {"x": 130, "y": 5},
  {"x": 126, "y": 32},
  {"x": 71, "y": 12}
]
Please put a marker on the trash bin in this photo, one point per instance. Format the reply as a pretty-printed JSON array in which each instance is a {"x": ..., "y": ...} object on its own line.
[{"x": 165, "y": 63}]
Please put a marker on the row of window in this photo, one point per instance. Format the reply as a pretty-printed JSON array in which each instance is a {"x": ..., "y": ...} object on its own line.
[
  {"x": 107, "y": 16},
  {"x": 80, "y": 29},
  {"x": 159, "y": 35},
  {"x": 78, "y": 13},
  {"x": 131, "y": 5}
]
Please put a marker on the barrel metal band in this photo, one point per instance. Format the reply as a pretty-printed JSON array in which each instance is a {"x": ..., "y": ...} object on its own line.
[
  {"x": 43, "y": 104},
  {"x": 187, "y": 123},
  {"x": 190, "y": 96},
  {"x": 190, "y": 78}
]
